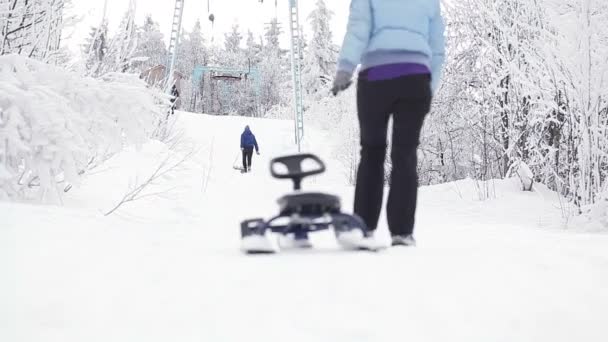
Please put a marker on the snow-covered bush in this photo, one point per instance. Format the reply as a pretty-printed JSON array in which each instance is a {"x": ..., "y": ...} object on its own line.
[
  {"x": 593, "y": 217},
  {"x": 279, "y": 112},
  {"x": 54, "y": 124},
  {"x": 338, "y": 115},
  {"x": 522, "y": 171}
]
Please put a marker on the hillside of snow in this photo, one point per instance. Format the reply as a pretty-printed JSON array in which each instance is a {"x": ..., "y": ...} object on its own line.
[{"x": 168, "y": 267}]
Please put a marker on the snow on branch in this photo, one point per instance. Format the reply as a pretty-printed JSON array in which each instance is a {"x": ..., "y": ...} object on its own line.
[{"x": 54, "y": 124}]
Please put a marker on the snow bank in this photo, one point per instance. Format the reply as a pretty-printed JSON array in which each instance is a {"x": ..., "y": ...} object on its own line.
[
  {"x": 171, "y": 271},
  {"x": 54, "y": 124},
  {"x": 594, "y": 217}
]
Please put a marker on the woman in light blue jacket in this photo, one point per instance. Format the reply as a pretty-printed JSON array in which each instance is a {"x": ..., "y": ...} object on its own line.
[{"x": 400, "y": 46}]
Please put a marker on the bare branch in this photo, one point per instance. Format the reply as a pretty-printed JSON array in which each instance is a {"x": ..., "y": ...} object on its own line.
[{"x": 164, "y": 167}]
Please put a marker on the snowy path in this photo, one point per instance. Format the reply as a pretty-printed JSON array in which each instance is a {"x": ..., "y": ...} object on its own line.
[{"x": 170, "y": 270}]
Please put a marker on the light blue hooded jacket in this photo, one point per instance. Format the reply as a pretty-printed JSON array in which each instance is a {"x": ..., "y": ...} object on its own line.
[{"x": 384, "y": 32}]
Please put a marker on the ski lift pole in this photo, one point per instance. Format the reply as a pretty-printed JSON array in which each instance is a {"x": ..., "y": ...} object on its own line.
[
  {"x": 296, "y": 70},
  {"x": 176, "y": 29}
]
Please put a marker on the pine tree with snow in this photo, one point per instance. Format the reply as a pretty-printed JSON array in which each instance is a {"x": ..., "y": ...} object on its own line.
[
  {"x": 253, "y": 49},
  {"x": 151, "y": 45},
  {"x": 193, "y": 50},
  {"x": 95, "y": 48},
  {"x": 273, "y": 70},
  {"x": 272, "y": 34},
  {"x": 233, "y": 55},
  {"x": 232, "y": 40},
  {"x": 321, "y": 53}
]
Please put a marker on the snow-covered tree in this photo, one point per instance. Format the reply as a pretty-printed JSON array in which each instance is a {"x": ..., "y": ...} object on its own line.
[
  {"x": 123, "y": 45},
  {"x": 31, "y": 27},
  {"x": 151, "y": 45},
  {"x": 95, "y": 48},
  {"x": 233, "y": 55},
  {"x": 233, "y": 39},
  {"x": 580, "y": 66},
  {"x": 275, "y": 85},
  {"x": 272, "y": 35},
  {"x": 253, "y": 49},
  {"x": 525, "y": 82},
  {"x": 193, "y": 51},
  {"x": 321, "y": 53}
]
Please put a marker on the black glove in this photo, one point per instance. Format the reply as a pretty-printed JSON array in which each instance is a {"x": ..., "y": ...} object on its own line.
[{"x": 342, "y": 81}]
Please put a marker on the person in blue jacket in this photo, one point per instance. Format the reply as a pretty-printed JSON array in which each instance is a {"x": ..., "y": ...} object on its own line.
[
  {"x": 400, "y": 46},
  {"x": 248, "y": 143}
]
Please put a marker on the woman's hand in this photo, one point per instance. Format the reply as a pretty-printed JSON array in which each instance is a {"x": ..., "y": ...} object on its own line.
[{"x": 342, "y": 81}]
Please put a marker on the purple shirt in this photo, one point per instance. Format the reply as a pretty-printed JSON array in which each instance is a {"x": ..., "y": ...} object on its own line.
[{"x": 390, "y": 71}]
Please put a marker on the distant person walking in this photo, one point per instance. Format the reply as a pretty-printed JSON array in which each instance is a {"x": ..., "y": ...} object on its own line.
[
  {"x": 174, "y": 98},
  {"x": 400, "y": 46},
  {"x": 248, "y": 143}
]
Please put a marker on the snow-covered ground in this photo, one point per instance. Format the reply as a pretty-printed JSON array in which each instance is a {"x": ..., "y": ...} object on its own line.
[{"x": 168, "y": 268}]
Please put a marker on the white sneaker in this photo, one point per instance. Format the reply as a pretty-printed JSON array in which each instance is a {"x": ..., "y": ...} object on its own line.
[
  {"x": 357, "y": 240},
  {"x": 403, "y": 240}
]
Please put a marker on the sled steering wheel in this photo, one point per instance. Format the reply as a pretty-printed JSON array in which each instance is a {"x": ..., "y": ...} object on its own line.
[{"x": 296, "y": 167}]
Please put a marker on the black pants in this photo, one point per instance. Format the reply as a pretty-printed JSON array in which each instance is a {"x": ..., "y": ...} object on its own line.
[
  {"x": 247, "y": 154},
  {"x": 408, "y": 100}
]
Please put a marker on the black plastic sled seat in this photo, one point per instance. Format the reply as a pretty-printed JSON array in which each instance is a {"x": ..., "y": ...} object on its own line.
[
  {"x": 296, "y": 168},
  {"x": 299, "y": 212},
  {"x": 312, "y": 203}
]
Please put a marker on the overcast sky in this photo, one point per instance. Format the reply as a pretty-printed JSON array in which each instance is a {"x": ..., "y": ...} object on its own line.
[{"x": 249, "y": 14}]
